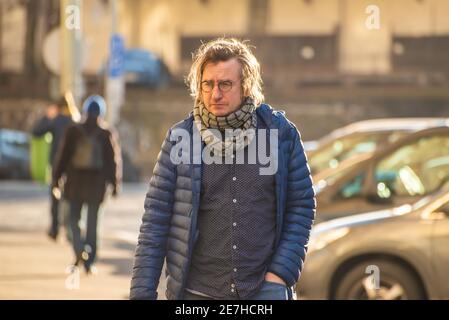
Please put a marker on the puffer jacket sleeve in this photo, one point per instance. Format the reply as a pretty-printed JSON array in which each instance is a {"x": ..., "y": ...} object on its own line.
[
  {"x": 299, "y": 215},
  {"x": 151, "y": 247}
]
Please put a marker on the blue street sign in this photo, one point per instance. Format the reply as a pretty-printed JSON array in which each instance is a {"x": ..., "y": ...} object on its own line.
[{"x": 116, "y": 57}]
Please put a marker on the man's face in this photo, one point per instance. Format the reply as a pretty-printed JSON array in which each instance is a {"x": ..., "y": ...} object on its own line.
[
  {"x": 224, "y": 74},
  {"x": 52, "y": 111}
]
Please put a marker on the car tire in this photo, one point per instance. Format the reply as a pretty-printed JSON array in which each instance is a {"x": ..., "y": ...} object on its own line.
[{"x": 395, "y": 282}]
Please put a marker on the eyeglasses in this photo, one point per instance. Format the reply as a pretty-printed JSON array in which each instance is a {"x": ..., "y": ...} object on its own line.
[{"x": 223, "y": 86}]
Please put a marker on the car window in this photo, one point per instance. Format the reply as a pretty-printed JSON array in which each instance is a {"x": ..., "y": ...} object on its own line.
[
  {"x": 341, "y": 149},
  {"x": 415, "y": 169},
  {"x": 352, "y": 188}
]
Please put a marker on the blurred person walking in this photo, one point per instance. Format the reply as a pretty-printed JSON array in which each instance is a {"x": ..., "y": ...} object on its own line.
[
  {"x": 89, "y": 161},
  {"x": 56, "y": 120}
]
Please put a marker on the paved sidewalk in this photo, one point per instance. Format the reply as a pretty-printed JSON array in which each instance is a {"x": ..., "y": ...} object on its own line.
[{"x": 32, "y": 266}]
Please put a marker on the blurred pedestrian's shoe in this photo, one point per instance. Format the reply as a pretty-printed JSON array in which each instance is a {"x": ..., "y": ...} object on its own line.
[
  {"x": 77, "y": 261},
  {"x": 88, "y": 264},
  {"x": 91, "y": 270},
  {"x": 81, "y": 258},
  {"x": 53, "y": 234}
]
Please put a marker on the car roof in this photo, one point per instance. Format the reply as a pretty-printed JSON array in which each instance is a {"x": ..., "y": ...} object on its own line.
[{"x": 386, "y": 124}]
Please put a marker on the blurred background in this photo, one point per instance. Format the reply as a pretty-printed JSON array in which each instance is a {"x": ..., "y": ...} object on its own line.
[{"x": 327, "y": 63}]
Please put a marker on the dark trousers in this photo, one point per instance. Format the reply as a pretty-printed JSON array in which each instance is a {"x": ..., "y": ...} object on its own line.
[
  {"x": 87, "y": 244},
  {"x": 54, "y": 212}
]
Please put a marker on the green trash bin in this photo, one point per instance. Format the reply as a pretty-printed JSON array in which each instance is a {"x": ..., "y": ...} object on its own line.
[{"x": 40, "y": 156}]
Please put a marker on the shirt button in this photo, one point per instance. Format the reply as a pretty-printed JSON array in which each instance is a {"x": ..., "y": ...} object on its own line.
[
  {"x": 234, "y": 224},
  {"x": 234, "y": 178},
  {"x": 234, "y": 200},
  {"x": 235, "y": 269},
  {"x": 232, "y": 285},
  {"x": 234, "y": 247},
  {"x": 232, "y": 290}
]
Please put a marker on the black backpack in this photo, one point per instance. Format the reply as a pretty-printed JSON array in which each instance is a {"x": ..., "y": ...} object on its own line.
[{"x": 88, "y": 153}]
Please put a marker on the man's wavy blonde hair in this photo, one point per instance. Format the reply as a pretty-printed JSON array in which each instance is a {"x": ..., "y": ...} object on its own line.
[{"x": 224, "y": 49}]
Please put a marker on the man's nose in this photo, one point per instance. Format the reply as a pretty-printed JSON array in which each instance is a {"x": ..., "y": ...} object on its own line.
[{"x": 216, "y": 93}]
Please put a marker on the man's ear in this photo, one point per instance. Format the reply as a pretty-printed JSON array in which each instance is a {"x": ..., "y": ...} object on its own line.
[{"x": 245, "y": 92}]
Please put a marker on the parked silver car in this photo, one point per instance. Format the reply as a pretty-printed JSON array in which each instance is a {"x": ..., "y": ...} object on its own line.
[
  {"x": 399, "y": 253},
  {"x": 360, "y": 138},
  {"x": 401, "y": 173}
]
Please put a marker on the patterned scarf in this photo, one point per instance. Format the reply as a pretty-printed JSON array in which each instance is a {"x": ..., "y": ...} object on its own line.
[{"x": 241, "y": 121}]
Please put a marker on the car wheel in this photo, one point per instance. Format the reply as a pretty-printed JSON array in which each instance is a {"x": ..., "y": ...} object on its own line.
[{"x": 394, "y": 282}]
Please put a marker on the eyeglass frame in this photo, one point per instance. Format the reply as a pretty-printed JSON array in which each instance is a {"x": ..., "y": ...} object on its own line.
[{"x": 219, "y": 85}]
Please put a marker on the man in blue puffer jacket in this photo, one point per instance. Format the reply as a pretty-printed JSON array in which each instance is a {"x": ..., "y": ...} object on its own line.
[{"x": 231, "y": 222}]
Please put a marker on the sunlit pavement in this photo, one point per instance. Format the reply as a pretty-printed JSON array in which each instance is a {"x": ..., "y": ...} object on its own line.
[{"x": 34, "y": 267}]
